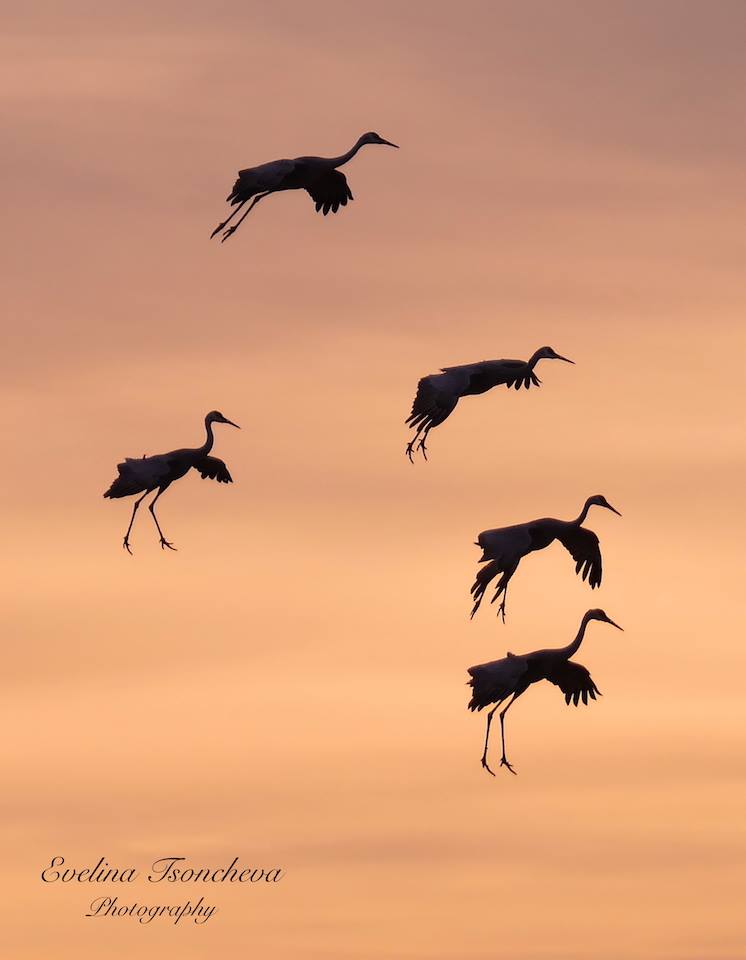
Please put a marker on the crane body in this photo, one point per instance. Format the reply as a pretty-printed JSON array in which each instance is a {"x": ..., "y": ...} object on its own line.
[
  {"x": 158, "y": 473},
  {"x": 511, "y": 676},
  {"x": 504, "y": 547},
  {"x": 438, "y": 393},
  {"x": 319, "y": 176}
]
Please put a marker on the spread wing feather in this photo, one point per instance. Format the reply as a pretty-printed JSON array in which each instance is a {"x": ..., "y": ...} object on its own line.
[
  {"x": 214, "y": 469},
  {"x": 574, "y": 681},
  {"x": 437, "y": 396},
  {"x": 585, "y": 550},
  {"x": 493, "y": 682},
  {"x": 330, "y": 191},
  {"x": 136, "y": 475}
]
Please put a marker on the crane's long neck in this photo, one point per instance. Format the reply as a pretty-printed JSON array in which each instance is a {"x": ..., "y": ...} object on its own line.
[
  {"x": 573, "y": 647},
  {"x": 583, "y": 513},
  {"x": 535, "y": 357},
  {"x": 340, "y": 161},
  {"x": 209, "y": 439}
]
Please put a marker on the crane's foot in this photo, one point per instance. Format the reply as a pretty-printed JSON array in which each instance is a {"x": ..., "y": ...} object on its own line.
[
  {"x": 421, "y": 446},
  {"x": 165, "y": 543},
  {"x": 486, "y": 766},
  {"x": 504, "y": 763},
  {"x": 217, "y": 229},
  {"x": 409, "y": 451},
  {"x": 126, "y": 545},
  {"x": 501, "y": 611},
  {"x": 228, "y": 233}
]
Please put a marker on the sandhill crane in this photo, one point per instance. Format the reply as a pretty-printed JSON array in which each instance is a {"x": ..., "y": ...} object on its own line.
[
  {"x": 510, "y": 677},
  {"x": 318, "y": 175},
  {"x": 438, "y": 393},
  {"x": 505, "y": 547},
  {"x": 159, "y": 472}
]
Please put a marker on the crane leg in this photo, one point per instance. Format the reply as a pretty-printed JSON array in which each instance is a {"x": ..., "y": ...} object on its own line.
[
  {"x": 231, "y": 230},
  {"x": 222, "y": 225},
  {"x": 487, "y": 740},
  {"x": 504, "y": 760},
  {"x": 411, "y": 445},
  {"x": 126, "y": 542},
  {"x": 502, "y": 590},
  {"x": 501, "y": 608},
  {"x": 151, "y": 507},
  {"x": 421, "y": 444}
]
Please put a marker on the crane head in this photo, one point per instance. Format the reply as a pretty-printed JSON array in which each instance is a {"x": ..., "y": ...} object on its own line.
[
  {"x": 600, "y": 501},
  {"x": 375, "y": 138},
  {"x": 547, "y": 353},
  {"x": 215, "y": 416},
  {"x": 601, "y": 615}
]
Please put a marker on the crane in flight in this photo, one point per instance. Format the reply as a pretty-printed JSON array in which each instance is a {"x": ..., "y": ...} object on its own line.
[
  {"x": 159, "y": 472},
  {"x": 505, "y": 547},
  {"x": 438, "y": 393},
  {"x": 510, "y": 677},
  {"x": 319, "y": 176}
]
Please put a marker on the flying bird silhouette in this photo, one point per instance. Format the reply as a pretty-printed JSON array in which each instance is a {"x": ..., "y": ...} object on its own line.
[
  {"x": 317, "y": 175},
  {"x": 438, "y": 393},
  {"x": 510, "y": 677},
  {"x": 505, "y": 547},
  {"x": 159, "y": 472}
]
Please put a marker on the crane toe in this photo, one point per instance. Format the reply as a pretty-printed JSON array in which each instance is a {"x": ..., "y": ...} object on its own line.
[
  {"x": 505, "y": 763},
  {"x": 486, "y": 766}
]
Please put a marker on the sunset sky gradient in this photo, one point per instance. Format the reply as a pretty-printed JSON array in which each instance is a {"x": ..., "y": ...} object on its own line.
[{"x": 289, "y": 686}]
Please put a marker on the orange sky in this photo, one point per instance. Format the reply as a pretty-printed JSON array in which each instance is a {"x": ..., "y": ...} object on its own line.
[{"x": 289, "y": 686}]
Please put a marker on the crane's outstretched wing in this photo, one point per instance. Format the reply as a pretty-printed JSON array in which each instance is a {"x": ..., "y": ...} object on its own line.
[
  {"x": 585, "y": 550},
  {"x": 214, "y": 469},
  {"x": 493, "y": 682},
  {"x": 267, "y": 176},
  {"x": 486, "y": 374},
  {"x": 330, "y": 192},
  {"x": 136, "y": 475},
  {"x": 436, "y": 398},
  {"x": 574, "y": 681}
]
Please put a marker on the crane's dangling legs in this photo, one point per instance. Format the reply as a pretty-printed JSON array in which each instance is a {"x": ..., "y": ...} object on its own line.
[
  {"x": 504, "y": 760},
  {"x": 231, "y": 230},
  {"x": 126, "y": 543},
  {"x": 419, "y": 446},
  {"x": 487, "y": 738},
  {"x": 501, "y": 589},
  {"x": 151, "y": 507},
  {"x": 222, "y": 225}
]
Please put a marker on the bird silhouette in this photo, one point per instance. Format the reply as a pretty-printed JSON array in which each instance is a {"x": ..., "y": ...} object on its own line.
[
  {"x": 318, "y": 175},
  {"x": 438, "y": 393},
  {"x": 505, "y": 547},
  {"x": 160, "y": 471},
  {"x": 510, "y": 677}
]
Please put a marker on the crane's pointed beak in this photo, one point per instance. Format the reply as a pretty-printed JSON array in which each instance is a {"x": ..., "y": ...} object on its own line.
[
  {"x": 389, "y": 143},
  {"x": 231, "y": 423},
  {"x": 559, "y": 356},
  {"x": 613, "y": 509},
  {"x": 609, "y": 620}
]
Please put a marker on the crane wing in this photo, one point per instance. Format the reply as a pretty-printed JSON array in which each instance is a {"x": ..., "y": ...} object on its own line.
[
  {"x": 267, "y": 176},
  {"x": 585, "y": 550},
  {"x": 136, "y": 475},
  {"x": 493, "y": 682},
  {"x": 436, "y": 397},
  {"x": 214, "y": 469},
  {"x": 506, "y": 544},
  {"x": 491, "y": 373},
  {"x": 330, "y": 191},
  {"x": 574, "y": 681}
]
